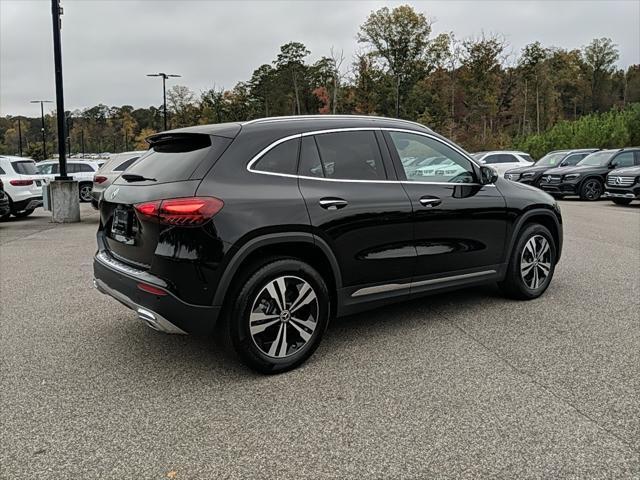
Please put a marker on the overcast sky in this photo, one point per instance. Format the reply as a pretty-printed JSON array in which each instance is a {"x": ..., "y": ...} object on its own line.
[{"x": 109, "y": 46}]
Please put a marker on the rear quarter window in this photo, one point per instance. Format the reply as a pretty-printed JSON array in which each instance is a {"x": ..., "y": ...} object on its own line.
[
  {"x": 176, "y": 157},
  {"x": 282, "y": 158},
  {"x": 25, "y": 167}
]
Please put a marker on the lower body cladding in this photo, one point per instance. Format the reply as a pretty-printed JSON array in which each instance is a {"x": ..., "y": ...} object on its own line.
[
  {"x": 151, "y": 299},
  {"x": 560, "y": 188}
]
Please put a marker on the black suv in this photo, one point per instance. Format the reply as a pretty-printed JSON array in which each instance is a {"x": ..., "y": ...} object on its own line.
[
  {"x": 623, "y": 184},
  {"x": 532, "y": 175},
  {"x": 268, "y": 228},
  {"x": 587, "y": 178}
]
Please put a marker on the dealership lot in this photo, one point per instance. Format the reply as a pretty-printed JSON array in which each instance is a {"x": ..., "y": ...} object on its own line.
[{"x": 463, "y": 384}]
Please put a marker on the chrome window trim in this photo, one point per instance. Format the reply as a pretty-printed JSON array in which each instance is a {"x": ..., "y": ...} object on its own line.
[{"x": 262, "y": 152}]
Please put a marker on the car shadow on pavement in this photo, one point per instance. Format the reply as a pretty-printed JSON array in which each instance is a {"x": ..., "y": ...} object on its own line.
[{"x": 204, "y": 357}]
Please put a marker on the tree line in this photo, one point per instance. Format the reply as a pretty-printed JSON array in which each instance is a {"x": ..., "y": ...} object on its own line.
[{"x": 477, "y": 91}]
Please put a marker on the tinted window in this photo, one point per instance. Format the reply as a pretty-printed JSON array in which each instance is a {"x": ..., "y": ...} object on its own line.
[
  {"x": 1, "y": 171},
  {"x": 124, "y": 165},
  {"x": 527, "y": 157},
  {"x": 25, "y": 167},
  {"x": 83, "y": 167},
  {"x": 500, "y": 158},
  {"x": 351, "y": 156},
  {"x": 175, "y": 157},
  {"x": 72, "y": 168},
  {"x": 280, "y": 159},
  {"x": 310, "y": 165},
  {"x": 55, "y": 168},
  {"x": 441, "y": 162},
  {"x": 625, "y": 159}
]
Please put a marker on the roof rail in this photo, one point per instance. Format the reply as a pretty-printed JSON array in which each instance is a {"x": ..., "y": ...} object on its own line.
[{"x": 328, "y": 117}]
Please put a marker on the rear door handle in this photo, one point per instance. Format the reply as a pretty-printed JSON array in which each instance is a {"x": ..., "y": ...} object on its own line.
[
  {"x": 332, "y": 203},
  {"x": 427, "y": 201}
]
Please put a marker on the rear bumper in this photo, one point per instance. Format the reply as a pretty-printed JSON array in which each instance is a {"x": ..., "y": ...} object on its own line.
[
  {"x": 166, "y": 313},
  {"x": 27, "y": 204}
]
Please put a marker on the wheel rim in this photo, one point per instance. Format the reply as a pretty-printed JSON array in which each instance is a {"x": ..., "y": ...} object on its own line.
[
  {"x": 592, "y": 190},
  {"x": 535, "y": 262},
  {"x": 284, "y": 316},
  {"x": 85, "y": 193}
]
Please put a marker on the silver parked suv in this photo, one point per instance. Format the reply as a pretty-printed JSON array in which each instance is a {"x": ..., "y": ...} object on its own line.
[{"x": 111, "y": 170}]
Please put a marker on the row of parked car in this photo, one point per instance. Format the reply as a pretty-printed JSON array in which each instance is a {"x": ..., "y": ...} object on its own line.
[
  {"x": 588, "y": 173},
  {"x": 22, "y": 180}
]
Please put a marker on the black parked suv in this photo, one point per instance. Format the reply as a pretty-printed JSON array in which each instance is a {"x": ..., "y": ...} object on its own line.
[
  {"x": 623, "y": 184},
  {"x": 558, "y": 158},
  {"x": 267, "y": 229},
  {"x": 587, "y": 178}
]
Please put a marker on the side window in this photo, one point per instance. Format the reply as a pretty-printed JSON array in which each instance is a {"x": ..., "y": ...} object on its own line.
[
  {"x": 441, "y": 162},
  {"x": 83, "y": 167},
  {"x": 625, "y": 159},
  {"x": 489, "y": 159},
  {"x": 124, "y": 165},
  {"x": 638, "y": 158},
  {"x": 55, "y": 168},
  {"x": 72, "y": 168},
  {"x": 310, "y": 164},
  {"x": 45, "y": 169},
  {"x": 527, "y": 157},
  {"x": 280, "y": 159},
  {"x": 2, "y": 171},
  {"x": 351, "y": 155},
  {"x": 500, "y": 158},
  {"x": 575, "y": 158}
]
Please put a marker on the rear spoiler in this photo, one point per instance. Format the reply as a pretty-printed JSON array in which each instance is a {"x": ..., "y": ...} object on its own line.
[{"x": 178, "y": 142}]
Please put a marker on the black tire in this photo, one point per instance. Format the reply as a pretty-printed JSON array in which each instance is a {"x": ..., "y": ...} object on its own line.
[
  {"x": 252, "y": 297},
  {"x": 622, "y": 201},
  {"x": 23, "y": 213},
  {"x": 591, "y": 189},
  {"x": 5, "y": 217},
  {"x": 521, "y": 286},
  {"x": 84, "y": 191}
]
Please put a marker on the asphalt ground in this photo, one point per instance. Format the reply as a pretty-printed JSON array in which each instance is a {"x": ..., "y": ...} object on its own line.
[{"x": 460, "y": 385}]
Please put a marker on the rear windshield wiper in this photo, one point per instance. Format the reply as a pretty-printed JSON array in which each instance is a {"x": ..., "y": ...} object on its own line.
[{"x": 134, "y": 177}]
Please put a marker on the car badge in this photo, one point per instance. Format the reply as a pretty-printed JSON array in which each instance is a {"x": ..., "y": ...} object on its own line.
[
  {"x": 114, "y": 193},
  {"x": 618, "y": 180}
]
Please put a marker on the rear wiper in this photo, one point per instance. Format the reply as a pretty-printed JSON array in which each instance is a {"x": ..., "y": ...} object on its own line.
[{"x": 134, "y": 177}]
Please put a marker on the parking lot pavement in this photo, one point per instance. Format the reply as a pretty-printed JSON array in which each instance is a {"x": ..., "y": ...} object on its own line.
[{"x": 465, "y": 384}]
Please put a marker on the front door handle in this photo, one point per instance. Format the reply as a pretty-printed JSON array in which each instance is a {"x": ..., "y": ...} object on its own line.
[
  {"x": 333, "y": 203},
  {"x": 427, "y": 201}
]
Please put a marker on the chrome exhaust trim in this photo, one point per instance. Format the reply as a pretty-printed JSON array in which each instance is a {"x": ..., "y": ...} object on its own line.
[{"x": 152, "y": 319}]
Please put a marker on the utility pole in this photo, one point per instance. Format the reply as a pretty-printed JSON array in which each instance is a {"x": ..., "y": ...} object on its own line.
[
  {"x": 164, "y": 91},
  {"x": 20, "y": 136},
  {"x": 42, "y": 129},
  {"x": 68, "y": 136},
  {"x": 82, "y": 140}
]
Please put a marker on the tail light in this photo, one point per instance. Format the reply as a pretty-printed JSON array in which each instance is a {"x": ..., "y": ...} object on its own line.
[
  {"x": 190, "y": 211},
  {"x": 145, "y": 287},
  {"x": 21, "y": 183},
  {"x": 99, "y": 179}
]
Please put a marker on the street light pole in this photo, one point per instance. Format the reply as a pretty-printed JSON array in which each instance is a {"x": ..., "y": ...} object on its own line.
[
  {"x": 44, "y": 137},
  {"x": 20, "y": 135},
  {"x": 56, "y": 11},
  {"x": 164, "y": 91}
]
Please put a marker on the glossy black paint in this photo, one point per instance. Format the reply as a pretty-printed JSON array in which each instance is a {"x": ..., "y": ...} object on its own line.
[{"x": 382, "y": 236}]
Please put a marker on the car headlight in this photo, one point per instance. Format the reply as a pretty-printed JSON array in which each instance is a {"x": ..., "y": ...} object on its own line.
[
  {"x": 512, "y": 176},
  {"x": 571, "y": 176},
  {"x": 528, "y": 174}
]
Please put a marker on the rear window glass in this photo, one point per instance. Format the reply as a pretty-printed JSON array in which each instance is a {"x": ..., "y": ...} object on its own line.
[
  {"x": 124, "y": 165},
  {"x": 280, "y": 159},
  {"x": 25, "y": 168},
  {"x": 173, "y": 158}
]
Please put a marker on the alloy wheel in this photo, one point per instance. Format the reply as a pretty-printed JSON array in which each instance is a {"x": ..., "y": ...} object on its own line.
[
  {"x": 283, "y": 316},
  {"x": 535, "y": 262},
  {"x": 85, "y": 193},
  {"x": 592, "y": 190}
]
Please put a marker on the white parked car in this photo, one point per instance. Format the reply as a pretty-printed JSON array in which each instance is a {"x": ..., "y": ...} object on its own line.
[
  {"x": 80, "y": 170},
  {"x": 22, "y": 185},
  {"x": 503, "y": 160}
]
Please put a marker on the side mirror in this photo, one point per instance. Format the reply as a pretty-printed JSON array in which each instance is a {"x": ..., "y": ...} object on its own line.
[
  {"x": 488, "y": 175},
  {"x": 563, "y": 163},
  {"x": 613, "y": 165}
]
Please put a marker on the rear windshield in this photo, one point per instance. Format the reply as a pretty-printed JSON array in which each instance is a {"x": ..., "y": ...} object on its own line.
[
  {"x": 173, "y": 158},
  {"x": 25, "y": 167}
]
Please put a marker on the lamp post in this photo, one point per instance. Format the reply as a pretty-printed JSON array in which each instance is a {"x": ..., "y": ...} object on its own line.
[
  {"x": 164, "y": 91},
  {"x": 20, "y": 135},
  {"x": 44, "y": 137}
]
